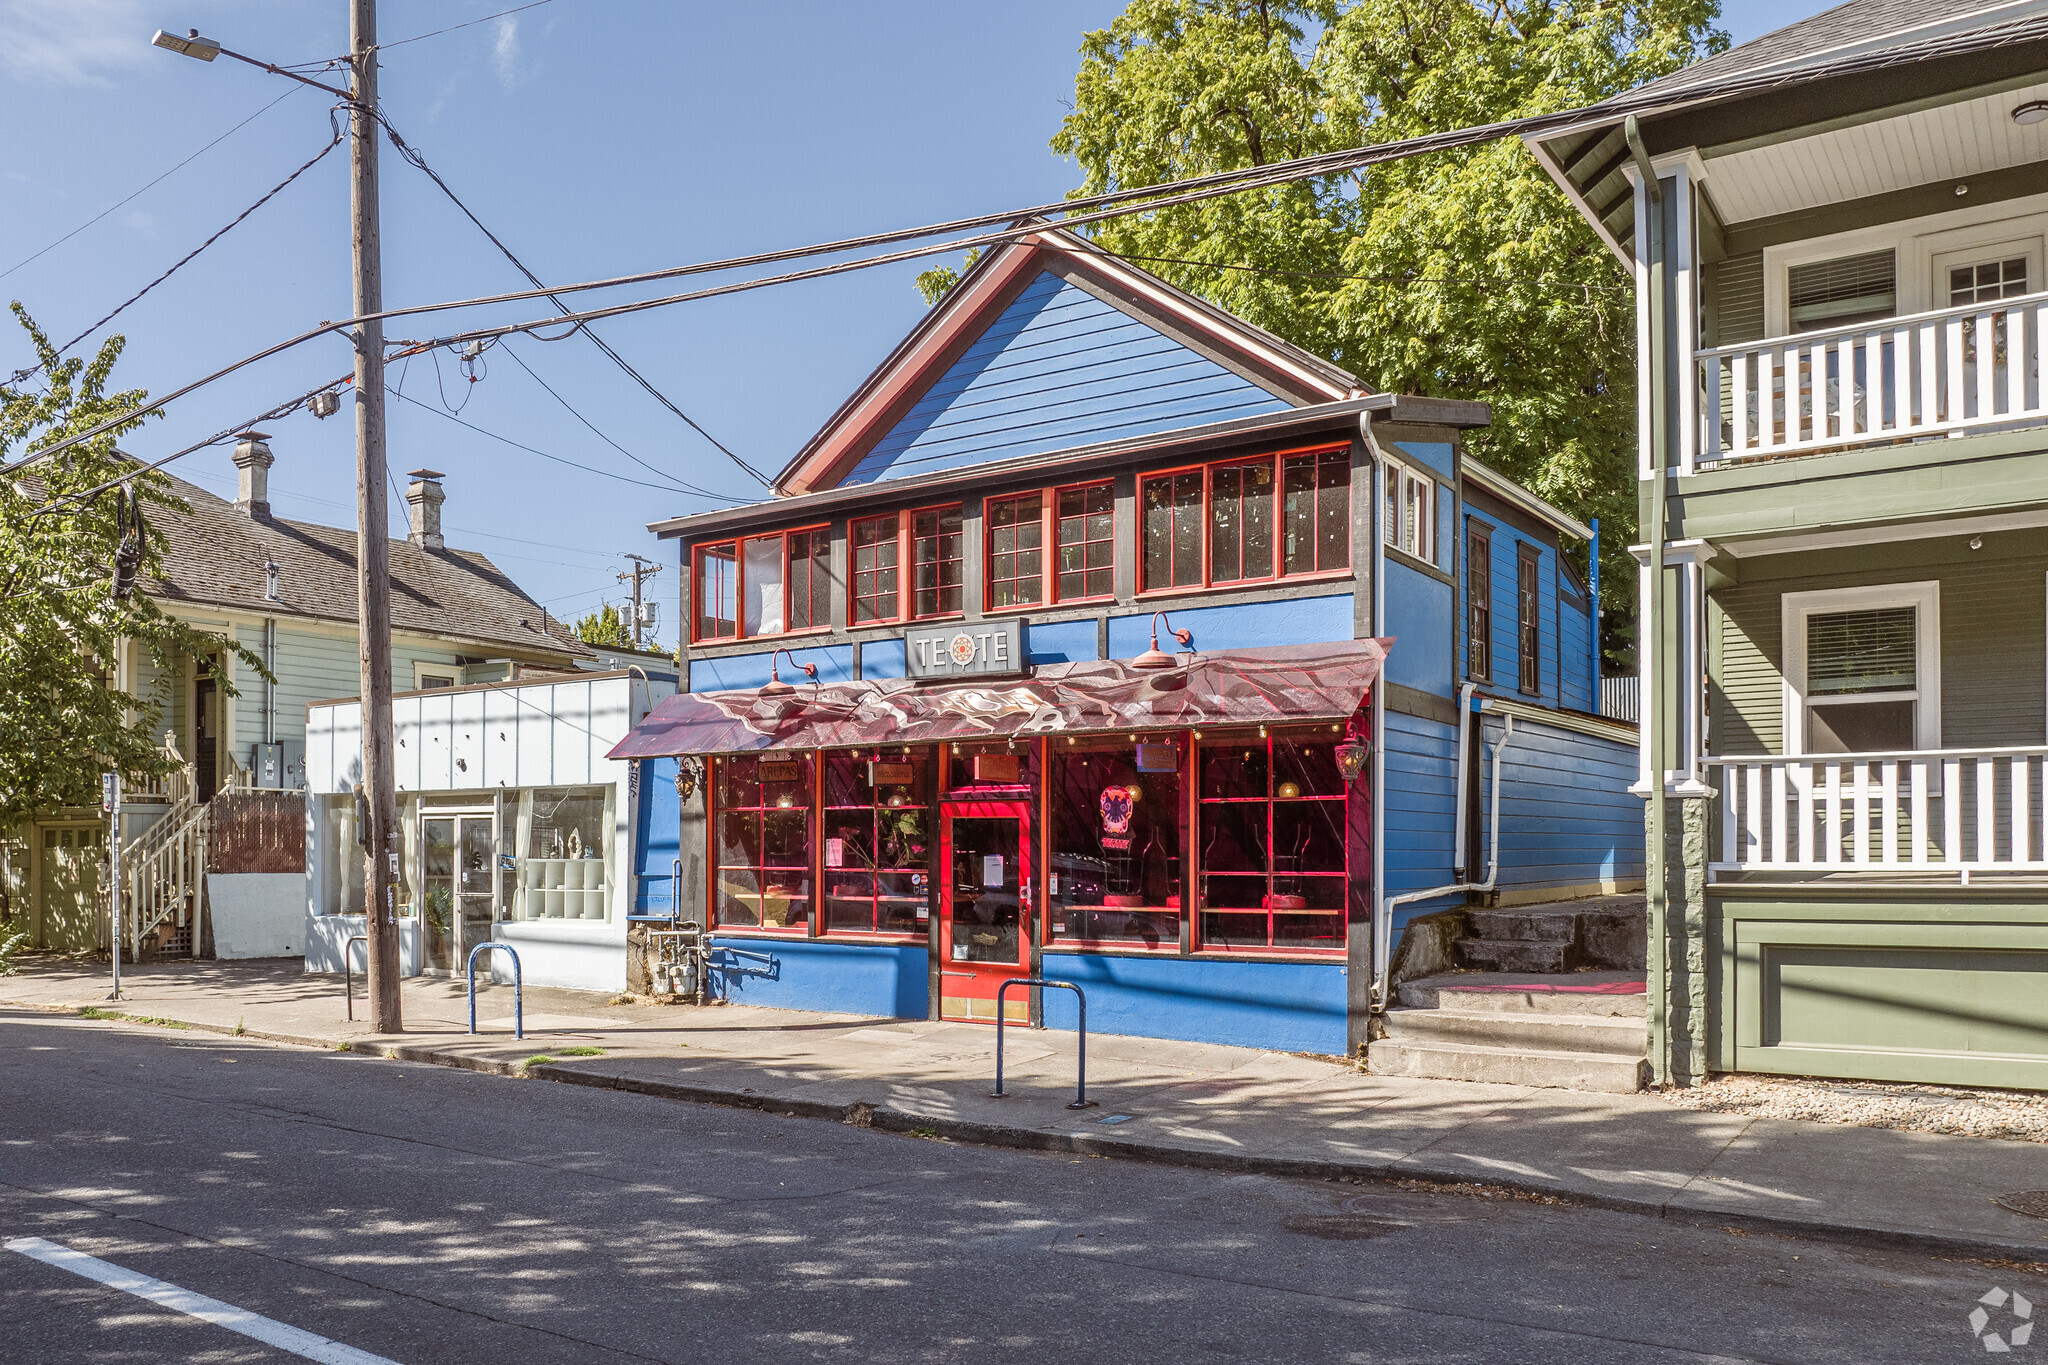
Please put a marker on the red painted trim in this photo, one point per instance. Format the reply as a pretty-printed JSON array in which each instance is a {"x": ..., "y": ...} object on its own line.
[{"x": 739, "y": 589}]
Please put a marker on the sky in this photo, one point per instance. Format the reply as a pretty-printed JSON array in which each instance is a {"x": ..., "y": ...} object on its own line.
[{"x": 595, "y": 138}]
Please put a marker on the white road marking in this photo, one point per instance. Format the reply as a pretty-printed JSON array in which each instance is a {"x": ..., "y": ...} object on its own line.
[{"x": 296, "y": 1340}]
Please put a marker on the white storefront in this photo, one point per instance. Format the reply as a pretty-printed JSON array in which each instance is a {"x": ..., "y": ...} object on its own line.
[{"x": 515, "y": 827}]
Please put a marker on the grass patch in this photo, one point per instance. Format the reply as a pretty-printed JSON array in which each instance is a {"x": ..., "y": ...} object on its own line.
[
  {"x": 96, "y": 1012},
  {"x": 536, "y": 1059},
  {"x": 341, "y": 1046},
  {"x": 241, "y": 1026},
  {"x": 579, "y": 1052}
]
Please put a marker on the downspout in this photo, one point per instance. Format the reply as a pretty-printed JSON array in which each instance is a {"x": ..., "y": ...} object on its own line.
[
  {"x": 269, "y": 682},
  {"x": 1651, "y": 643},
  {"x": 1379, "y": 713},
  {"x": 1593, "y": 590},
  {"x": 1384, "y": 925}
]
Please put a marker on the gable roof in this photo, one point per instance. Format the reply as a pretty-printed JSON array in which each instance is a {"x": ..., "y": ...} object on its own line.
[
  {"x": 1045, "y": 343},
  {"x": 215, "y": 555}
]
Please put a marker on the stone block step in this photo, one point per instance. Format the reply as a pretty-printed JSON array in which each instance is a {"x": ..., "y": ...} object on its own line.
[
  {"x": 1507, "y": 1066},
  {"x": 1541, "y": 926},
  {"x": 1615, "y": 994},
  {"x": 1610, "y": 1035},
  {"x": 1517, "y": 955}
]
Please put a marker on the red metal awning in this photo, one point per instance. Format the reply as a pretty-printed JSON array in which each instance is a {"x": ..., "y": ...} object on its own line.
[{"x": 1239, "y": 687}]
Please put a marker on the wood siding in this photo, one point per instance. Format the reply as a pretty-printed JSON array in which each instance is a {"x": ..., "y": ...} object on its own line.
[
  {"x": 1567, "y": 817},
  {"x": 1994, "y": 648},
  {"x": 1735, "y": 300},
  {"x": 1059, "y": 368}
]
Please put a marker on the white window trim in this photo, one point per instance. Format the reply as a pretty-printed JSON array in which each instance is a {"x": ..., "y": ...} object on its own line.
[
  {"x": 1982, "y": 253},
  {"x": 1924, "y": 598},
  {"x": 1397, "y": 479},
  {"x": 420, "y": 672}
]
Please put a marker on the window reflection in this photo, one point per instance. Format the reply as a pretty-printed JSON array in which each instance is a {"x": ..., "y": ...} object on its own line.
[{"x": 1115, "y": 875}]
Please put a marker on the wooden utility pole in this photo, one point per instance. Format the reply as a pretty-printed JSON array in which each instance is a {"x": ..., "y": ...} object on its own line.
[
  {"x": 642, "y": 569},
  {"x": 373, "y": 549}
]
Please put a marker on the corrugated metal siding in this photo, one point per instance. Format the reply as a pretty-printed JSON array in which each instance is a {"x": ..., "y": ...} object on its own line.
[
  {"x": 1735, "y": 295},
  {"x": 1994, "y": 675},
  {"x": 1566, "y": 815},
  {"x": 1058, "y": 368}
]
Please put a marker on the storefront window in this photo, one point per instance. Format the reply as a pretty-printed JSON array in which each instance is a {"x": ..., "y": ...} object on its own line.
[
  {"x": 1115, "y": 873},
  {"x": 1272, "y": 843},
  {"x": 564, "y": 870},
  {"x": 878, "y": 843},
  {"x": 764, "y": 815},
  {"x": 998, "y": 769}
]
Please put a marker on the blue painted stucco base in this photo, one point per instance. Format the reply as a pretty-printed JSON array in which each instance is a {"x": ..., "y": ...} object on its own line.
[
  {"x": 876, "y": 979},
  {"x": 1282, "y": 1006}
]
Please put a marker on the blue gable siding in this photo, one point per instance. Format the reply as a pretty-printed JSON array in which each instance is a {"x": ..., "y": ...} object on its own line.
[{"x": 1058, "y": 368}]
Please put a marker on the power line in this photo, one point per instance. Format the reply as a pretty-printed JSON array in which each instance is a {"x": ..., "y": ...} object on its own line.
[
  {"x": 585, "y": 420},
  {"x": 416, "y": 159},
  {"x": 150, "y": 186},
  {"x": 536, "y": 4},
  {"x": 1372, "y": 279},
  {"x": 1145, "y": 199},
  {"x": 590, "y": 469},
  {"x": 188, "y": 257}
]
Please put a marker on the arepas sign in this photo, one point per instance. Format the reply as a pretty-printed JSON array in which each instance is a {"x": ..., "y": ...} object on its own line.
[{"x": 980, "y": 649}]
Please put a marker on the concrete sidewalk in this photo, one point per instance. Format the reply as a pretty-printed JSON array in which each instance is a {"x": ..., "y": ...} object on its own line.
[{"x": 1191, "y": 1104}]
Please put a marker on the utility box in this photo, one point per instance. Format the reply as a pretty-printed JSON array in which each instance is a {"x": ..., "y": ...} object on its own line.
[{"x": 268, "y": 767}]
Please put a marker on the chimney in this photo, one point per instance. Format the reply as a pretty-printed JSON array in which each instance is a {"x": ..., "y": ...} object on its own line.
[
  {"x": 253, "y": 458},
  {"x": 424, "y": 496}
]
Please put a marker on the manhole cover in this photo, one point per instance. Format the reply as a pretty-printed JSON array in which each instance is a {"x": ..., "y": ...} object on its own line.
[{"x": 2033, "y": 1203}]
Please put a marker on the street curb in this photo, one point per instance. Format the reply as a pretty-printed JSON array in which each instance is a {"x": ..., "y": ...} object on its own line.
[{"x": 863, "y": 1114}]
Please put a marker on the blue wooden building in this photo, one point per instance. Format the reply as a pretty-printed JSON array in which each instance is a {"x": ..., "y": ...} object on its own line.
[{"x": 1103, "y": 636}]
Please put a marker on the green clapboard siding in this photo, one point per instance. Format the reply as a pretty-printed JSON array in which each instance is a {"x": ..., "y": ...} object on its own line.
[
  {"x": 1994, "y": 642},
  {"x": 1735, "y": 299}
]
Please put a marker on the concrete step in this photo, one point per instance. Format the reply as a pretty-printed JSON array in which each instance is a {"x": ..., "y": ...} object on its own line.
[
  {"x": 1507, "y": 1065},
  {"x": 1541, "y": 926},
  {"x": 1517, "y": 955},
  {"x": 1614, "y": 994},
  {"x": 1609, "y": 1035}
]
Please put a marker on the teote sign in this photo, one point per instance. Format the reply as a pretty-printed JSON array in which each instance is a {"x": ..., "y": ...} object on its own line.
[{"x": 978, "y": 650}]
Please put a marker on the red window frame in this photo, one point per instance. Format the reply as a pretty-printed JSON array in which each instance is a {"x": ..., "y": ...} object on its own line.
[
  {"x": 816, "y": 595},
  {"x": 909, "y": 529},
  {"x": 1199, "y": 910},
  {"x": 1209, "y": 576},
  {"x": 896, "y": 546},
  {"x": 1033, "y": 525},
  {"x": 1056, "y": 567}
]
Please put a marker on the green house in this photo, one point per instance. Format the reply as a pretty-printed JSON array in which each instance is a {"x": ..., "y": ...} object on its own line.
[{"x": 1837, "y": 234}]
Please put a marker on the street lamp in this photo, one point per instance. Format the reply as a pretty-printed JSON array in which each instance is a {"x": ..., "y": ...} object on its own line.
[{"x": 373, "y": 544}]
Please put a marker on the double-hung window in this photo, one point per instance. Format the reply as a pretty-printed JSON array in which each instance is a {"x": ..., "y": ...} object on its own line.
[
  {"x": 764, "y": 585},
  {"x": 1408, "y": 512},
  {"x": 1862, "y": 669},
  {"x": 1528, "y": 618},
  {"x": 1478, "y": 600},
  {"x": 1245, "y": 521}
]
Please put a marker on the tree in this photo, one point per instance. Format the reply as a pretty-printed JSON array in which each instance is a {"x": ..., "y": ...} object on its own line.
[
  {"x": 604, "y": 627},
  {"x": 61, "y": 622},
  {"x": 1462, "y": 274}
]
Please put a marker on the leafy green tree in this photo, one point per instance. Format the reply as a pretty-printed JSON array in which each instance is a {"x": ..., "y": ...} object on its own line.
[
  {"x": 61, "y": 623},
  {"x": 1462, "y": 274},
  {"x": 605, "y": 626}
]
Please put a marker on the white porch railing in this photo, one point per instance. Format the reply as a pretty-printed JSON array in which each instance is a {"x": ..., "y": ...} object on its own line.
[
  {"x": 1943, "y": 810},
  {"x": 1898, "y": 379}
]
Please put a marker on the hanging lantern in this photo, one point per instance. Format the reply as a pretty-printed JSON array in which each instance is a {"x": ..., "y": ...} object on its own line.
[{"x": 1351, "y": 758}]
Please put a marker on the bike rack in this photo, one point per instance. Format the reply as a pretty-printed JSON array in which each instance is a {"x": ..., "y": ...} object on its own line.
[
  {"x": 518, "y": 1000},
  {"x": 348, "y": 979},
  {"x": 1081, "y": 1100}
]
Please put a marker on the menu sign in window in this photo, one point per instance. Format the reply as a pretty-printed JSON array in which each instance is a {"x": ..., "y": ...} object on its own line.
[{"x": 979, "y": 649}]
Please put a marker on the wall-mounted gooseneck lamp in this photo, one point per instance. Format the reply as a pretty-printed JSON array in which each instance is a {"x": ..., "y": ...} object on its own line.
[
  {"x": 775, "y": 686},
  {"x": 1155, "y": 657}
]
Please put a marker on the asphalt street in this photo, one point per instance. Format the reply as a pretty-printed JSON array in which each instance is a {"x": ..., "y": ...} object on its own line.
[{"x": 424, "y": 1214}]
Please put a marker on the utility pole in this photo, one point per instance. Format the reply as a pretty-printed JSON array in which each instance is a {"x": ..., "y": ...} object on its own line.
[
  {"x": 112, "y": 785},
  {"x": 642, "y": 569},
  {"x": 373, "y": 548}
]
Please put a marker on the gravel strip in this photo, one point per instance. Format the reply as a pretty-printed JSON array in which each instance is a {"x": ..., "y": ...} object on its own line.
[{"x": 1872, "y": 1104}]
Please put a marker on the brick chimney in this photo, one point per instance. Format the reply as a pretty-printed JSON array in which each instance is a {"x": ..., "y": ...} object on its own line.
[
  {"x": 424, "y": 496},
  {"x": 253, "y": 459}
]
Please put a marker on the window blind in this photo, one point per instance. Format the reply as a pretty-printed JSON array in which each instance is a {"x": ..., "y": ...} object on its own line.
[{"x": 1853, "y": 652}]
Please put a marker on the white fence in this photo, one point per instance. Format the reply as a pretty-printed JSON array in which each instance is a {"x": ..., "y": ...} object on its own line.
[
  {"x": 1620, "y": 698},
  {"x": 1946, "y": 810},
  {"x": 1901, "y": 378}
]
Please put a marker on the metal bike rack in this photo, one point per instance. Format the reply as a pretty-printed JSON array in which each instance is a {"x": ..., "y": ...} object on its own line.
[
  {"x": 348, "y": 979},
  {"x": 1081, "y": 1100},
  {"x": 518, "y": 1000}
]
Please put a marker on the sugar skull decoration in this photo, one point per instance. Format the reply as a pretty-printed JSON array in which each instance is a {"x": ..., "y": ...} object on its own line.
[{"x": 1117, "y": 805}]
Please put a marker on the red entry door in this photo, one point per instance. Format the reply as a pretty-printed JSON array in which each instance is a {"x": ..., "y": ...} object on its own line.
[{"x": 985, "y": 905}]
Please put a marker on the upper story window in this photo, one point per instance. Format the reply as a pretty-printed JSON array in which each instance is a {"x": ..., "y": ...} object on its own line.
[
  {"x": 878, "y": 548},
  {"x": 1087, "y": 542},
  {"x": 1242, "y": 521},
  {"x": 1528, "y": 619},
  {"x": 1016, "y": 550},
  {"x": 937, "y": 554},
  {"x": 1078, "y": 524},
  {"x": 764, "y": 585},
  {"x": 1478, "y": 600},
  {"x": 1410, "y": 512},
  {"x": 1987, "y": 281},
  {"x": 877, "y": 552},
  {"x": 1824, "y": 295}
]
